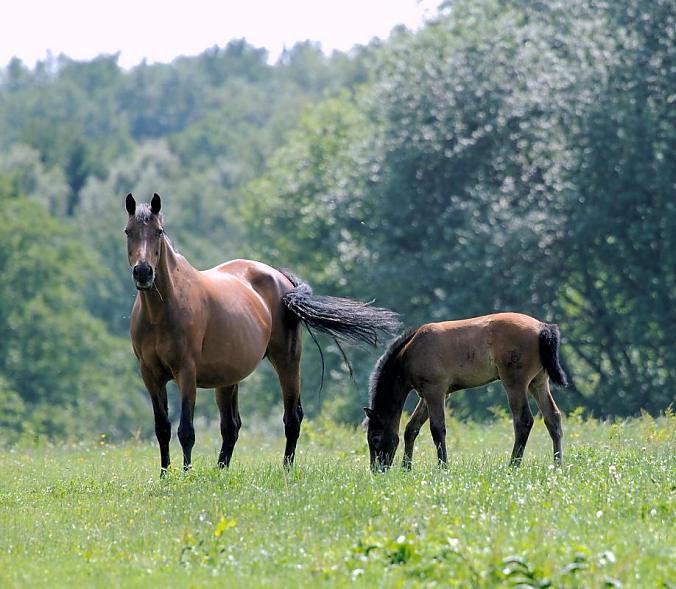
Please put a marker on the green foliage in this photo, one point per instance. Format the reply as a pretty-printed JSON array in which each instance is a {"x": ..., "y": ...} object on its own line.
[
  {"x": 60, "y": 371},
  {"x": 510, "y": 155},
  {"x": 96, "y": 514}
]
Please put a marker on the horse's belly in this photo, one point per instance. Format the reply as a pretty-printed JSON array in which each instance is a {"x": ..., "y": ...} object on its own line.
[
  {"x": 223, "y": 375},
  {"x": 473, "y": 374},
  {"x": 231, "y": 350}
]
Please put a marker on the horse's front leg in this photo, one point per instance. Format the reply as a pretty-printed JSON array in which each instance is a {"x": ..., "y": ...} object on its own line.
[
  {"x": 186, "y": 432},
  {"x": 435, "y": 397},
  {"x": 418, "y": 418},
  {"x": 157, "y": 390}
]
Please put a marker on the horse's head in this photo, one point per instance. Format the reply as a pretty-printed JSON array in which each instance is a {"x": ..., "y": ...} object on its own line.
[
  {"x": 383, "y": 440},
  {"x": 144, "y": 238}
]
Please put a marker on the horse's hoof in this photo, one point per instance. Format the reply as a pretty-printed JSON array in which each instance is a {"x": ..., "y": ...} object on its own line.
[
  {"x": 163, "y": 473},
  {"x": 222, "y": 465},
  {"x": 187, "y": 467}
]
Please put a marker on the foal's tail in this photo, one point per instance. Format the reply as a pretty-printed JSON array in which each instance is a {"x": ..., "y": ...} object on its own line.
[{"x": 550, "y": 338}]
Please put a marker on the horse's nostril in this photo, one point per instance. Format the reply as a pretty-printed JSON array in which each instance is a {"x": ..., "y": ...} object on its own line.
[{"x": 142, "y": 273}]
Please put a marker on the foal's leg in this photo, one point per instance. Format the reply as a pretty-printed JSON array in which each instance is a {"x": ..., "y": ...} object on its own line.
[
  {"x": 186, "y": 432},
  {"x": 418, "y": 418},
  {"x": 539, "y": 388},
  {"x": 228, "y": 406},
  {"x": 158, "y": 396},
  {"x": 434, "y": 398},
  {"x": 522, "y": 418}
]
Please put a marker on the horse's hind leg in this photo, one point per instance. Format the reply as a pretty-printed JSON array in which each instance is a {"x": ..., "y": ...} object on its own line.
[
  {"x": 539, "y": 388},
  {"x": 521, "y": 417},
  {"x": 418, "y": 418},
  {"x": 289, "y": 380},
  {"x": 228, "y": 406},
  {"x": 285, "y": 358}
]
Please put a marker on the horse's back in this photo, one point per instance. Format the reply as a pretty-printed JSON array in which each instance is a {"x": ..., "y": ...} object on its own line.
[
  {"x": 264, "y": 279},
  {"x": 475, "y": 351}
]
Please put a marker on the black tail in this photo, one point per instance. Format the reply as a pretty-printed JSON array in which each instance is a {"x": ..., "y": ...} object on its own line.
[
  {"x": 549, "y": 353},
  {"x": 343, "y": 319}
]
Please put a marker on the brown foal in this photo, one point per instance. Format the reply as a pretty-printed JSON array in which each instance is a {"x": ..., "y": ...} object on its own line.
[{"x": 437, "y": 359}]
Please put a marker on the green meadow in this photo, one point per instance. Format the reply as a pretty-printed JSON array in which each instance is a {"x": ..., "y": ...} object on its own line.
[{"x": 96, "y": 515}]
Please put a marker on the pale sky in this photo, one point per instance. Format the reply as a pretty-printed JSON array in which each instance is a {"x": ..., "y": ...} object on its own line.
[{"x": 162, "y": 30}]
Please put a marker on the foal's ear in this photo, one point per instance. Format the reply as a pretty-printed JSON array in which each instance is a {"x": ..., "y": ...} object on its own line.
[
  {"x": 155, "y": 204},
  {"x": 130, "y": 204}
]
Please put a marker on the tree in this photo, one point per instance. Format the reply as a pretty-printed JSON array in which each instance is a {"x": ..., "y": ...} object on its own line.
[{"x": 59, "y": 368}]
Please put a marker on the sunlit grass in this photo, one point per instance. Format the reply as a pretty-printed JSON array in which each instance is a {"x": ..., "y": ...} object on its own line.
[{"x": 96, "y": 515}]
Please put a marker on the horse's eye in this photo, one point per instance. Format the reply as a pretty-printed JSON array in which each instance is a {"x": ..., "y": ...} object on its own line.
[
  {"x": 160, "y": 232},
  {"x": 126, "y": 231}
]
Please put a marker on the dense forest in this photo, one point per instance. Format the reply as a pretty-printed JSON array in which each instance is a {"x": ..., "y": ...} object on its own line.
[{"x": 511, "y": 155}]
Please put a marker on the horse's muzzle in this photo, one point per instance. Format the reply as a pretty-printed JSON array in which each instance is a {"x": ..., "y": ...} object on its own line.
[
  {"x": 382, "y": 462},
  {"x": 143, "y": 276}
]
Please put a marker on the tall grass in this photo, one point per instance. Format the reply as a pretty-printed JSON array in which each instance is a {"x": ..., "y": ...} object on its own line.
[{"x": 96, "y": 515}]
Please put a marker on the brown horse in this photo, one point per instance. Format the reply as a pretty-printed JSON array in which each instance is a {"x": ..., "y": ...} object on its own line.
[
  {"x": 440, "y": 358},
  {"x": 211, "y": 329}
]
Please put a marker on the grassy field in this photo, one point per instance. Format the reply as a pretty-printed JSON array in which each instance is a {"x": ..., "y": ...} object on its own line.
[{"x": 95, "y": 515}]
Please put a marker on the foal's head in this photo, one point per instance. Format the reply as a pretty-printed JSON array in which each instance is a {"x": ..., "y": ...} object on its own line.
[
  {"x": 382, "y": 439},
  {"x": 144, "y": 238}
]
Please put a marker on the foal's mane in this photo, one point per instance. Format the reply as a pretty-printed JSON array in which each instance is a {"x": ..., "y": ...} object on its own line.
[{"x": 382, "y": 372}]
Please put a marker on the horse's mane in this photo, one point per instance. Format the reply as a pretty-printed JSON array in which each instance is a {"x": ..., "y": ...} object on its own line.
[
  {"x": 143, "y": 213},
  {"x": 382, "y": 371}
]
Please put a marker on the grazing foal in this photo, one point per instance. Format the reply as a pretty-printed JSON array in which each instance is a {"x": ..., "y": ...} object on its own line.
[{"x": 437, "y": 359}]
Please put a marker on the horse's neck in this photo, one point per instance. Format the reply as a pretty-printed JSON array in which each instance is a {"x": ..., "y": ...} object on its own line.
[
  {"x": 390, "y": 395},
  {"x": 171, "y": 270}
]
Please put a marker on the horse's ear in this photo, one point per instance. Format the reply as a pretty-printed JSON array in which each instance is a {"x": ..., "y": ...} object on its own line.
[
  {"x": 156, "y": 204},
  {"x": 130, "y": 204}
]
